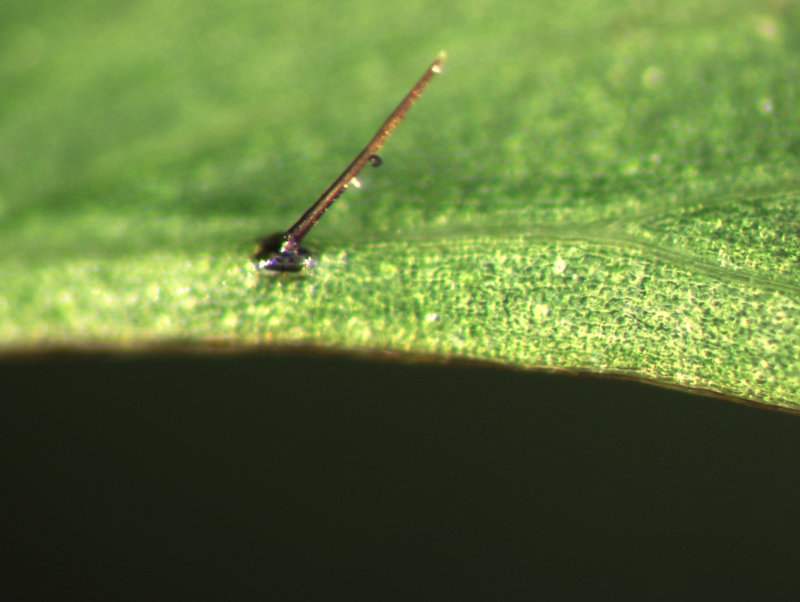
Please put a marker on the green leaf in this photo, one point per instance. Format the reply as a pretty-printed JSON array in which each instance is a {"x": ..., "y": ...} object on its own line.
[{"x": 604, "y": 187}]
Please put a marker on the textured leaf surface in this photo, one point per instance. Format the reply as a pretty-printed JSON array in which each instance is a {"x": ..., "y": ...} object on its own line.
[{"x": 601, "y": 187}]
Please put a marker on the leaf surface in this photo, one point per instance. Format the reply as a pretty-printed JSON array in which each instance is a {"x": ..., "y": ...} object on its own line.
[{"x": 604, "y": 188}]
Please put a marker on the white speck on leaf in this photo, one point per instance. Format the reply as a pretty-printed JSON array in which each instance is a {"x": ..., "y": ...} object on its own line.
[
  {"x": 541, "y": 312},
  {"x": 766, "y": 106},
  {"x": 652, "y": 77}
]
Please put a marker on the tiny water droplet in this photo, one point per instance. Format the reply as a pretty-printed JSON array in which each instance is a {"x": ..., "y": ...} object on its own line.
[{"x": 375, "y": 161}]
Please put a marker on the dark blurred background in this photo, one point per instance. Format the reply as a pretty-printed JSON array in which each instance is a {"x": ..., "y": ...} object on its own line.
[{"x": 285, "y": 476}]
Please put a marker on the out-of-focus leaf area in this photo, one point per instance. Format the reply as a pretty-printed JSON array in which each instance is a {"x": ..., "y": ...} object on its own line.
[{"x": 603, "y": 187}]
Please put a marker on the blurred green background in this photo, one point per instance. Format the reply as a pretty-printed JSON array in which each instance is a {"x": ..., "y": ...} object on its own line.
[{"x": 130, "y": 116}]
